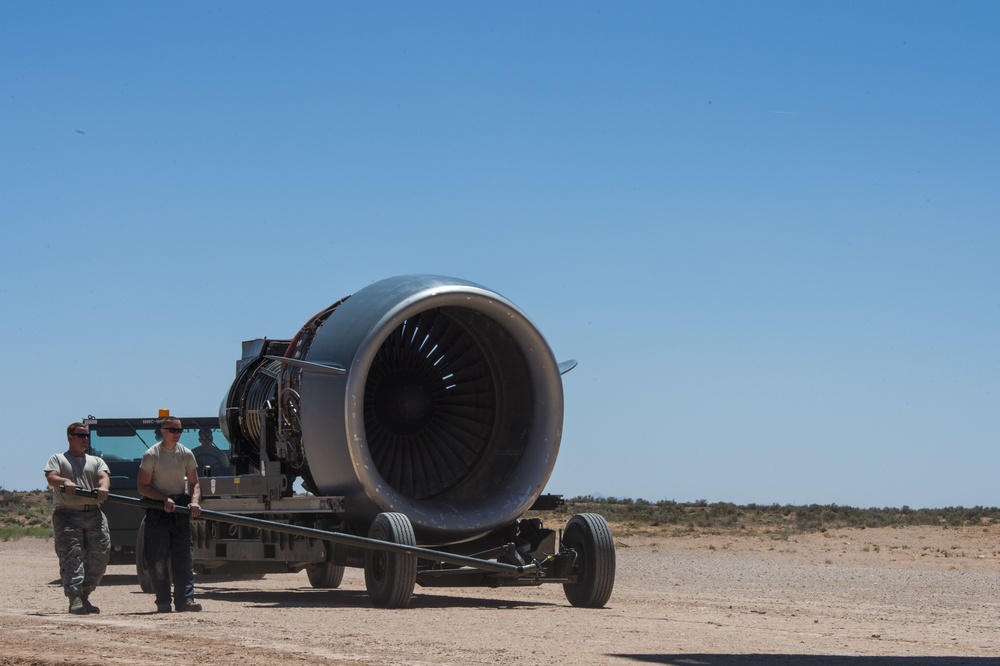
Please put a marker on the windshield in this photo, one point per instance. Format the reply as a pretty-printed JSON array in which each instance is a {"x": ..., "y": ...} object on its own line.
[{"x": 125, "y": 440}]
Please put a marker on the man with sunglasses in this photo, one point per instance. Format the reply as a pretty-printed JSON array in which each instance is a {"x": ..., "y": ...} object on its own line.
[
  {"x": 168, "y": 473},
  {"x": 80, "y": 529}
]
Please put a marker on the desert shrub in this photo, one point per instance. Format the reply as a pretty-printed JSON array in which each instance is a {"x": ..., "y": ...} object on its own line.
[
  {"x": 25, "y": 513},
  {"x": 12, "y": 533},
  {"x": 775, "y": 518}
]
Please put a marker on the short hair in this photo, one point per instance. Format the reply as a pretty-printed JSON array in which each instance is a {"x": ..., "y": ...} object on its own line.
[
  {"x": 73, "y": 426},
  {"x": 169, "y": 419}
]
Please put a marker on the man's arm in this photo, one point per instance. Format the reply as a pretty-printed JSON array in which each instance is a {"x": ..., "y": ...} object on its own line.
[
  {"x": 103, "y": 485},
  {"x": 55, "y": 480},
  {"x": 195, "y": 504},
  {"x": 145, "y": 486},
  {"x": 146, "y": 489}
]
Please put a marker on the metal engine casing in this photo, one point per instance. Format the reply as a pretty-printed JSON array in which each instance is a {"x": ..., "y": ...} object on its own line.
[{"x": 448, "y": 408}]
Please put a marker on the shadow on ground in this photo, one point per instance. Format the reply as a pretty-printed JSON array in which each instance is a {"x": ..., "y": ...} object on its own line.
[
  {"x": 112, "y": 580},
  {"x": 312, "y": 598},
  {"x": 800, "y": 660},
  {"x": 308, "y": 597},
  {"x": 119, "y": 579}
]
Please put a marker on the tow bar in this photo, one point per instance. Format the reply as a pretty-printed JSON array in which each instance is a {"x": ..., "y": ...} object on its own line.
[{"x": 333, "y": 537}]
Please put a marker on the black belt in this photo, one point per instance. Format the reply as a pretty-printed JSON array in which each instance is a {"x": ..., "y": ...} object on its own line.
[{"x": 85, "y": 507}]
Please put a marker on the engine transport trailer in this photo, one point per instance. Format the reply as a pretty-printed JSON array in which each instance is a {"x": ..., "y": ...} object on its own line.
[{"x": 422, "y": 411}]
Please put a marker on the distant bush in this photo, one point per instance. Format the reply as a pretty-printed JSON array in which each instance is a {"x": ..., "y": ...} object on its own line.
[
  {"x": 726, "y": 516},
  {"x": 28, "y": 513},
  {"x": 12, "y": 533},
  {"x": 25, "y": 514}
]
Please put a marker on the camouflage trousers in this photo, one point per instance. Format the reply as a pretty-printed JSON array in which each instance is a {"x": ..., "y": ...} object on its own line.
[{"x": 83, "y": 545}]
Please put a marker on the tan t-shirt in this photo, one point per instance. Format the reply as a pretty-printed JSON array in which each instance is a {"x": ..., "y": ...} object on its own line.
[
  {"x": 169, "y": 468},
  {"x": 81, "y": 471}
]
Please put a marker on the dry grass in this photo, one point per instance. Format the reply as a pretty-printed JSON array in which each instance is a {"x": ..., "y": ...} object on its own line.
[
  {"x": 643, "y": 518},
  {"x": 28, "y": 513},
  {"x": 25, "y": 513}
]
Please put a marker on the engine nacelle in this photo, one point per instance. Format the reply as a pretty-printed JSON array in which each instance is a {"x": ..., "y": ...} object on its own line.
[{"x": 426, "y": 395}]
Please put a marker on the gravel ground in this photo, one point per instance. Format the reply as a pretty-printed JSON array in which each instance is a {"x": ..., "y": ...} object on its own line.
[{"x": 900, "y": 597}]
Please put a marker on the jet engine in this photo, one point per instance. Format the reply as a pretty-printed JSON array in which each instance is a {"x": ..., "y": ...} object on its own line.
[{"x": 426, "y": 395}]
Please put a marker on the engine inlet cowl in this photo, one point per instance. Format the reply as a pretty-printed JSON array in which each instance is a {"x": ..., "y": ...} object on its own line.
[{"x": 449, "y": 408}]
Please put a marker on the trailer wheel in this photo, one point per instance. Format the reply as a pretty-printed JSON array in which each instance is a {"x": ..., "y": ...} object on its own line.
[
  {"x": 589, "y": 536},
  {"x": 391, "y": 577},
  {"x": 141, "y": 572},
  {"x": 325, "y": 574}
]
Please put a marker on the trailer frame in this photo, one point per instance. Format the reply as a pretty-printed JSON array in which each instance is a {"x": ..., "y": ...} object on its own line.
[{"x": 394, "y": 564}]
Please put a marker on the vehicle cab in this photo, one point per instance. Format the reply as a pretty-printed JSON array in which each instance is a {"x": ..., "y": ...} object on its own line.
[{"x": 122, "y": 442}]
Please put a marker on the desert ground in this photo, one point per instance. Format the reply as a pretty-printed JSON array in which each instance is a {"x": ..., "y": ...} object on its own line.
[{"x": 850, "y": 597}]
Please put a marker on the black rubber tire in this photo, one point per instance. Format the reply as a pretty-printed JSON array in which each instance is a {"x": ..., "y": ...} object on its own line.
[
  {"x": 325, "y": 574},
  {"x": 391, "y": 577},
  {"x": 590, "y": 537},
  {"x": 141, "y": 572}
]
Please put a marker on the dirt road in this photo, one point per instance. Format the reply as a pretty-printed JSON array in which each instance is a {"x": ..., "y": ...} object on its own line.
[{"x": 845, "y": 597}]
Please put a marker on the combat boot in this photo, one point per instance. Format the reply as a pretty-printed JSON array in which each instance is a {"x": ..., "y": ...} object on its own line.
[
  {"x": 91, "y": 608},
  {"x": 76, "y": 606}
]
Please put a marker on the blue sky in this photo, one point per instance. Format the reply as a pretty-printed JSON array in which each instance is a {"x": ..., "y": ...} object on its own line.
[{"x": 768, "y": 232}]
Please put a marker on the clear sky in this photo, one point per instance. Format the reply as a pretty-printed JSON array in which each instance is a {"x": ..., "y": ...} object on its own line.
[{"x": 768, "y": 231}]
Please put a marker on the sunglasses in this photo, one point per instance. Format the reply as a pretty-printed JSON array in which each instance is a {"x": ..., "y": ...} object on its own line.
[
  {"x": 176, "y": 431},
  {"x": 82, "y": 435}
]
